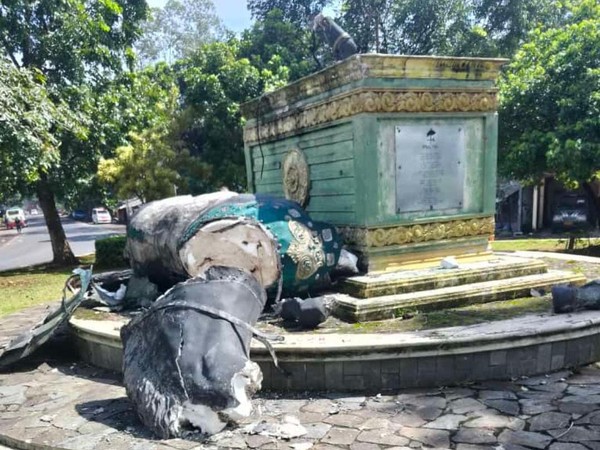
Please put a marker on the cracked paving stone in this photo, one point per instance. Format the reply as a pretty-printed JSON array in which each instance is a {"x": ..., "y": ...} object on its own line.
[
  {"x": 447, "y": 422},
  {"x": 583, "y": 390},
  {"x": 433, "y": 438},
  {"x": 549, "y": 421},
  {"x": 465, "y": 405},
  {"x": 525, "y": 438},
  {"x": 340, "y": 436},
  {"x": 381, "y": 437},
  {"x": 475, "y": 436},
  {"x": 311, "y": 417},
  {"x": 575, "y": 434},
  {"x": 257, "y": 440},
  {"x": 508, "y": 407},
  {"x": 321, "y": 406},
  {"x": 421, "y": 401}
]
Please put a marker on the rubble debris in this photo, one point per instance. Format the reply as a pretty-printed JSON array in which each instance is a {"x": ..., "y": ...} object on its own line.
[
  {"x": 566, "y": 299},
  {"x": 308, "y": 313},
  {"x": 186, "y": 359},
  {"x": 30, "y": 340},
  {"x": 289, "y": 428},
  {"x": 449, "y": 262}
]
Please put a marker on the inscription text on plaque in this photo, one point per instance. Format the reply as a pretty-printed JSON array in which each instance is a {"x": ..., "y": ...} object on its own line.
[{"x": 430, "y": 172}]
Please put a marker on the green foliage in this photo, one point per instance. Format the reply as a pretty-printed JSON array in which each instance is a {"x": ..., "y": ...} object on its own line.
[
  {"x": 28, "y": 128},
  {"x": 550, "y": 109},
  {"x": 297, "y": 12},
  {"x": 109, "y": 252},
  {"x": 213, "y": 83},
  {"x": 178, "y": 29}
]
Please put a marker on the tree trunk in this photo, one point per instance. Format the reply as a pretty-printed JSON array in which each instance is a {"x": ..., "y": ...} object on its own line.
[{"x": 61, "y": 250}]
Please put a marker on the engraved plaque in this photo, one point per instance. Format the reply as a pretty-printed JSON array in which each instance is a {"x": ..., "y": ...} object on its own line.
[{"x": 430, "y": 172}]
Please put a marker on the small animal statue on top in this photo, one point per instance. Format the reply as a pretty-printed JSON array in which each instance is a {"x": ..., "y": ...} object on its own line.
[{"x": 341, "y": 43}]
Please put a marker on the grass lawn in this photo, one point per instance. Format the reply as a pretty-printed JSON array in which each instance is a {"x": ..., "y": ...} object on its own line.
[
  {"x": 582, "y": 246},
  {"x": 31, "y": 286}
]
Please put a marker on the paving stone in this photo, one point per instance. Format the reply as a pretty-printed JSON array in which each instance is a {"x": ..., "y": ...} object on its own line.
[
  {"x": 475, "y": 436},
  {"x": 570, "y": 446},
  {"x": 257, "y": 440},
  {"x": 575, "y": 434},
  {"x": 545, "y": 379},
  {"x": 421, "y": 401},
  {"x": 497, "y": 395},
  {"x": 532, "y": 407},
  {"x": 586, "y": 375},
  {"x": 375, "y": 423},
  {"x": 465, "y": 405},
  {"x": 428, "y": 413},
  {"x": 474, "y": 447},
  {"x": 447, "y": 422},
  {"x": 525, "y": 438},
  {"x": 407, "y": 419},
  {"x": 495, "y": 421},
  {"x": 364, "y": 446},
  {"x": 552, "y": 387},
  {"x": 583, "y": 390},
  {"x": 345, "y": 420},
  {"x": 433, "y": 438},
  {"x": 592, "y": 418},
  {"x": 381, "y": 437},
  {"x": 504, "y": 406},
  {"x": 311, "y": 417},
  {"x": 456, "y": 393},
  {"x": 323, "y": 406},
  {"x": 340, "y": 436},
  {"x": 316, "y": 430},
  {"x": 577, "y": 408},
  {"x": 549, "y": 421},
  {"x": 12, "y": 395}
]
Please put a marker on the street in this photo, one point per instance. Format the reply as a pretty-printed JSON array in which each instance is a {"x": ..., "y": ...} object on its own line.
[{"x": 33, "y": 246}]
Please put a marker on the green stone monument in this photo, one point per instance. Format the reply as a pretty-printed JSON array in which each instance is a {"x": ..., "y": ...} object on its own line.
[{"x": 399, "y": 152}]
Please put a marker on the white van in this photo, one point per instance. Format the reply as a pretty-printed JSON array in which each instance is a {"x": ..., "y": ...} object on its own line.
[
  {"x": 11, "y": 215},
  {"x": 100, "y": 215}
]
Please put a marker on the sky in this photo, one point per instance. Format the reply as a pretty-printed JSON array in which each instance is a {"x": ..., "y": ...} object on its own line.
[{"x": 233, "y": 13}]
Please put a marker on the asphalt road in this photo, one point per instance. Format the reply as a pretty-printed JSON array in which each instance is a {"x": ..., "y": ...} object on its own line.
[{"x": 33, "y": 246}]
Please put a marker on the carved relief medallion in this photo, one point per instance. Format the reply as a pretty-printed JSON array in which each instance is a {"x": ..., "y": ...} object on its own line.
[{"x": 296, "y": 177}]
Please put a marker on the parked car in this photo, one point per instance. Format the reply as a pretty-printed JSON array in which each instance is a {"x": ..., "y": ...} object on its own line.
[
  {"x": 11, "y": 215},
  {"x": 101, "y": 215},
  {"x": 572, "y": 213},
  {"x": 78, "y": 214}
]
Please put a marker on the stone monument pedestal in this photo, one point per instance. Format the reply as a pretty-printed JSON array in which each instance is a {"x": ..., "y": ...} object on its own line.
[{"x": 399, "y": 152}]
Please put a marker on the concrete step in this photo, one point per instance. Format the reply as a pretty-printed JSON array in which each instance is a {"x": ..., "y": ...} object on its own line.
[
  {"x": 356, "y": 309},
  {"x": 497, "y": 268}
]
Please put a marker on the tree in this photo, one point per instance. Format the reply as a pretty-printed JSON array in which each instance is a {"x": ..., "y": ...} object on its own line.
[
  {"x": 275, "y": 42},
  {"x": 75, "y": 46},
  {"x": 213, "y": 83},
  {"x": 178, "y": 29},
  {"x": 550, "y": 102},
  {"x": 299, "y": 12}
]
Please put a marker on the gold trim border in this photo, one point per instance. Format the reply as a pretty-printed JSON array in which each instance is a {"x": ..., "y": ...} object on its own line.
[
  {"x": 413, "y": 234},
  {"x": 363, "y": 66},
  {"x": 374, "y": 101}
]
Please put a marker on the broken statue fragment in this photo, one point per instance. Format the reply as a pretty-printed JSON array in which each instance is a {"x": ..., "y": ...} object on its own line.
[
  {"x": 567, "y": 299},
  {"x": 272, "y": 238},
  {"x": 186, "y": 359}
]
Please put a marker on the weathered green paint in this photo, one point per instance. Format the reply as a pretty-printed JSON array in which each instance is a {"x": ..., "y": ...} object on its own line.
[{"x": 352, "y": 159}]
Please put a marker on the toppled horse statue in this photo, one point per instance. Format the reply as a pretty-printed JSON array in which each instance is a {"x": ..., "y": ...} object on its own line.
[
  {"x": 272, "y": 238},
  {"x": 186, "y": 359}
]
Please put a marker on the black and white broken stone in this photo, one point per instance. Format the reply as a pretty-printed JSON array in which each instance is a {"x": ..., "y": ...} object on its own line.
[{"x": 186, "y": 359}]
